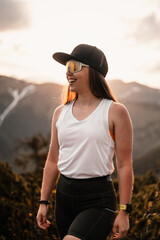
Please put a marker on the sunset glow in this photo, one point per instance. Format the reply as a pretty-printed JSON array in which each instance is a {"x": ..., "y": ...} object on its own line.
[{"x": 126, "y": 31}]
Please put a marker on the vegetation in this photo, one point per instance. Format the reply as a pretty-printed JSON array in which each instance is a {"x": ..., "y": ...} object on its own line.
[
  {"x": 145, "y": 217},
  {"x": 18, "y": 204},
  {"x": 19, "y": 194}
]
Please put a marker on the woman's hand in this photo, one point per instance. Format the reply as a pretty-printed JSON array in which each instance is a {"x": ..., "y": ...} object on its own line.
[
  {"x": 121, "y": 225},
  {"x": 41, "y": 217}
]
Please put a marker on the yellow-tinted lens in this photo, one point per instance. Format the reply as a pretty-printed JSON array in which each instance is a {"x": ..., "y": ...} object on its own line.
[{"x": 73, "y": 66}]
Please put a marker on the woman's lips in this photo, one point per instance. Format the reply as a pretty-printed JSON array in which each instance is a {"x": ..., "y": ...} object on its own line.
[{"x": 72, "y": 80}]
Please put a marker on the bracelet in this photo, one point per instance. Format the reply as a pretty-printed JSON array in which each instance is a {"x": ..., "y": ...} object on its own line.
[{"x": 43, "y": 202}]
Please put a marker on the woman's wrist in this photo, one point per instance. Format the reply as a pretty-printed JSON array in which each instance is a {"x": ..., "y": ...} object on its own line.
[{"x": 123, "y": 212}]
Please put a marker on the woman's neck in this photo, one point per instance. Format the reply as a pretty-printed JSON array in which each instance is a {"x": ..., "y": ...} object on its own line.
[{"x": 87, "y": 99}]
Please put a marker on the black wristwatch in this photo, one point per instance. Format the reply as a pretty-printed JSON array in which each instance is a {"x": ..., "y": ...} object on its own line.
[
  {"x": 43, "y": 202},
  {"x": 127, "y": 207}
]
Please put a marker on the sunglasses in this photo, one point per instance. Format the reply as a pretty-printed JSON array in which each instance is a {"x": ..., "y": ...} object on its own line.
[{"x": 75, "y": 66}]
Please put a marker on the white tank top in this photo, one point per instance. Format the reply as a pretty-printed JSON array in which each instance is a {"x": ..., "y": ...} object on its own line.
[{"x": 86, "y": 147}]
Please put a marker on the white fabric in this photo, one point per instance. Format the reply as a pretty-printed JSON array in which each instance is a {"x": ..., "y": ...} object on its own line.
[{"x": 85, "y": 147}]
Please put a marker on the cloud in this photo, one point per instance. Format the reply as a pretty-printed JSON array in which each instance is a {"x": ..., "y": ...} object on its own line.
[
  {"x": 13, "y": 15},
  {"x": 147, "y": 29},
  {"x": 155, "y": 68},
  {"x": 18, "y": 48}
]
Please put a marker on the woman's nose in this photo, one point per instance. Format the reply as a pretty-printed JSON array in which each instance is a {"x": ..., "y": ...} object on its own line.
[{"x": 68, "y": 72}]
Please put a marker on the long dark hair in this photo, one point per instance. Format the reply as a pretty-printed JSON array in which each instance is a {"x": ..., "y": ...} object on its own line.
[{"x": 98, "y": 85}]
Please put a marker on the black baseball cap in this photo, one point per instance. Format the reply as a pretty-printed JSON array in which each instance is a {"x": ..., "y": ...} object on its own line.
[{"x": 87, "y": 54}]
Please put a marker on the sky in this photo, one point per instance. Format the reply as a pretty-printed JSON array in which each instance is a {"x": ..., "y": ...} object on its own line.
[{"x": 127, "y": 31}]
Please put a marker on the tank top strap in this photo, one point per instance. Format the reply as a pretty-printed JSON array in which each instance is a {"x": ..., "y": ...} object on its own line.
[
  {"x": 105, "y": 118},
  {"x": 107, "y": 103},
  {"x": 105, "y": 108},
  {"x": 63, "y": 113}
]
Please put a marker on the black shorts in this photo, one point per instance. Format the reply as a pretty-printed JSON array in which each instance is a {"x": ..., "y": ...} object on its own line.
[{"x": 85, "y": 208}]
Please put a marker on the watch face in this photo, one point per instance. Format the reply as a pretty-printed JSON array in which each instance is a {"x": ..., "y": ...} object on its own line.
[{"x": 129, "y": 208}]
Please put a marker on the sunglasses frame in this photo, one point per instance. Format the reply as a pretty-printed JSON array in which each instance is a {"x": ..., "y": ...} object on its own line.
[{"x": 80, "y": 64}]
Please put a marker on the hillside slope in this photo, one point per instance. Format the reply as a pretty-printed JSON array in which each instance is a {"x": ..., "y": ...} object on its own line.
[{"x": 26, "y": 109}]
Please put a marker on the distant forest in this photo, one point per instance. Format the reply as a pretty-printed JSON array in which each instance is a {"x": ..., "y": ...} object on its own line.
[{"x": 19, "y": 195}]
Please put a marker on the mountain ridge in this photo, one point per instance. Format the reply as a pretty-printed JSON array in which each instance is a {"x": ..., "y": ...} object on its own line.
[{"x": 33, "y": 113}]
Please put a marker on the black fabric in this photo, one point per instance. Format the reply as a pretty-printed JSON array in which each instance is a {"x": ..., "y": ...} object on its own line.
[
  {"x": 87, "y": 54},
  {"x": 85, "y": 208}
]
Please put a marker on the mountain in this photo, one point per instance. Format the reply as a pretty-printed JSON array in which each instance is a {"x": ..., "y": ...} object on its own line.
[
  {"x": 143, "y": 104},
  {"x": 135, "y": 92},
  {"x": 26, "y": 109},
  {"x": 150, "y": 160}
]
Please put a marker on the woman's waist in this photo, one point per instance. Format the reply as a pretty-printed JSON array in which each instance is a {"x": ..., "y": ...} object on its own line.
[
  {"x": 85, "y": 166},
  {"x": 86, "y": 186}
]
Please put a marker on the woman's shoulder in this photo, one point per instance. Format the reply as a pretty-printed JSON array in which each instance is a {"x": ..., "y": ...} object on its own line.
[
  {"x": 57, "y": 112},
  {"x": 118, "y": 107},
  {"x": 59, "y": 109},
  {"x": 118, "y": 111}
]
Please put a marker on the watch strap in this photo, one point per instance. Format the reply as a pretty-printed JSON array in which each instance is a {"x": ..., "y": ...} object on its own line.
[{"x": 43, "y": 202}]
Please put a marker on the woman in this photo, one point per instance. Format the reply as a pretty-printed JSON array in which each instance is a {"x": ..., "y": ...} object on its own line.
[{"x": 86, "y": 131}]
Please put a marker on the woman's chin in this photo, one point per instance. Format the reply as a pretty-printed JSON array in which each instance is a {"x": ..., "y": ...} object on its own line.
[{"x": 72, "y": 88}]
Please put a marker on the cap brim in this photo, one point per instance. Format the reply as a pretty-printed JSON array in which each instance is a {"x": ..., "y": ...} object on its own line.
[{"x": 62, "y": 58}]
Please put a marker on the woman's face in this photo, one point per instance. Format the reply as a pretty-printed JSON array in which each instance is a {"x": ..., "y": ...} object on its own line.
[{"x": 78, "y": 81}]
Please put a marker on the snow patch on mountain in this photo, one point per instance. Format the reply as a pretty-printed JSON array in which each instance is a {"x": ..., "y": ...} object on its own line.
[{"x": 30, "y": 89}]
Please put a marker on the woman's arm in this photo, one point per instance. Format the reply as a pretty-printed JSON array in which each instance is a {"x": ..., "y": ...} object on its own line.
[
  {"x": 50, "y": 172},
  {"x": 123, "y": 145}
]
